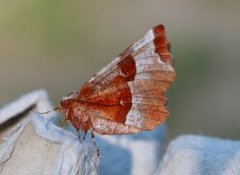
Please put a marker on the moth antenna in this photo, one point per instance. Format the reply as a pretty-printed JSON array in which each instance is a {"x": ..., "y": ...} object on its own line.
[{"x": 58, "y": 108}]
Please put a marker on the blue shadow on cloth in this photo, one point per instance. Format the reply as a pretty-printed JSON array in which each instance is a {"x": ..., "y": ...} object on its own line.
[
  {"x": 117, "y": 155},
  {"x": 115, "y": 160}
]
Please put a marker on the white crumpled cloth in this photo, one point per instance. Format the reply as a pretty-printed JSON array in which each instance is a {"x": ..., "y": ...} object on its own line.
[{"x": 199, "y": 155}]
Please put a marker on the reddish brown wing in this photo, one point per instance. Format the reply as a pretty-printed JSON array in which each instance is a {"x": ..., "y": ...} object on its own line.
[{"x": 130, "y": 90}]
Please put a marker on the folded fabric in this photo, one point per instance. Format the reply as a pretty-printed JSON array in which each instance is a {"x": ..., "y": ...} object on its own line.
[{"x": 198, "y": 155}]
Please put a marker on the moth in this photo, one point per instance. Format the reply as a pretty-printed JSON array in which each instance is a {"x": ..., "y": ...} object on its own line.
[{"x": 126, "y": 96}]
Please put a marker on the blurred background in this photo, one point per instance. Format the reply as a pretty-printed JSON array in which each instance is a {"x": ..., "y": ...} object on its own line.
[{"x": 58, "y": 45}]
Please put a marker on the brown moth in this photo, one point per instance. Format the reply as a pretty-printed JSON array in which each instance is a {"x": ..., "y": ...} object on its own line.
[{"x": 126, "y": 96}]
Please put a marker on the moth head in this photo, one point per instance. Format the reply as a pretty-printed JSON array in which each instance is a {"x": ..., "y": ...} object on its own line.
[{"x": 69, "y": 101}]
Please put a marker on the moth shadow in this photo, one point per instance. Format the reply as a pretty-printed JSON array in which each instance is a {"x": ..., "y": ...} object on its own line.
[
  {"x": 131, "y": 154},
  {"x": 115, "y": 160}
]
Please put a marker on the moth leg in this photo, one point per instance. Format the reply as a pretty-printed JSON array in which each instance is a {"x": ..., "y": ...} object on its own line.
[
  {"x": 92, "y": 134},
  {"x": 84, "y": 136},
  {"x": 85, "y": 127},
  {"x": 94, "y": 142},
  {"x": 79, "y": 137},
  {"x": 93, "y": 138}
]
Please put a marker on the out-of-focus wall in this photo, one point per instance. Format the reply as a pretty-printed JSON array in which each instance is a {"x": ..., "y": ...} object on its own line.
[{"x": 58, "y": 45}]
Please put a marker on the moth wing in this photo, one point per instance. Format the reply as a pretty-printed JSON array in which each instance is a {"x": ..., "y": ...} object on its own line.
[{"x": 131, "y": 89}]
